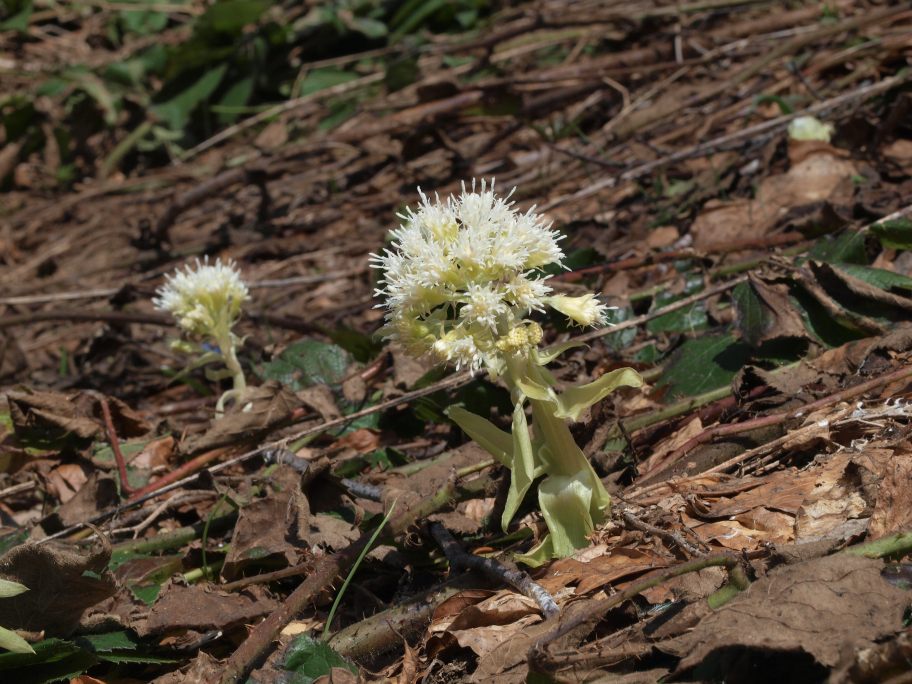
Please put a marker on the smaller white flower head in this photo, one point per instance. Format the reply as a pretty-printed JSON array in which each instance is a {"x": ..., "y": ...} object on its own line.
[{"x": 204, "y": 298}]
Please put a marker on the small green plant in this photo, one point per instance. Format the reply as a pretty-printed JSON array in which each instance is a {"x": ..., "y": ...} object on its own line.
[
  {"x": 460, "y": 283},
  {"x": 206, "y": 299},
  {"x": 8, "y": 638}
]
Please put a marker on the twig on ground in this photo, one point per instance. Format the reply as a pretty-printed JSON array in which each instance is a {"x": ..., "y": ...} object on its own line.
[
  {"x": 373, "y": 636},
  {"x": 499, "y": 571},
  {"x": 18, "y": 488},
  {"x": 667, "y": 535},
  {"x": 115, "y": 445},
  {"x": 363, "y": 489}
]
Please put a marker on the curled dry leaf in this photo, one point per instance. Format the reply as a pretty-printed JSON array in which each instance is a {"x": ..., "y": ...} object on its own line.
[
  {"x": 820, "y": 607},
  {"x": 62, "y": 584},
  {"x": 258, "y": 410}
]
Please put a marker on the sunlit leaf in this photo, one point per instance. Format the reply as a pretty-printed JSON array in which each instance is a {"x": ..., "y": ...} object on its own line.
[
  {"x": 565, "y": 503},
  {"x": 522, "y": 469},
  {"x": 14, "y": 643},
  {"x": 10, "y": 588},
  {"x": 574, "y": 400},
  {"x": 488, "y": 436}
]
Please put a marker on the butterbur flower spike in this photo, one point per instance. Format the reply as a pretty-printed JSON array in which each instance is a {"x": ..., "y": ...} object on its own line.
[
  {"x": 206, "y": 300},
  {"x": 460, "y": 281}
]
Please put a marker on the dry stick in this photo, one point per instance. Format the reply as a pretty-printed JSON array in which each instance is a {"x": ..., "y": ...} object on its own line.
[
  {"x": 110, "y": 291},
  {"x": 494, "y": 569},
  {"x": 193, "y": 465},
  {"x": 115, "y": 445},
  {"x": 667, "y": 535},
  {"x": 723, "y": 141},
  {"x": 663, "y": 257},
  {"x": 373, "y": 636},
  {"x": 765, "y": 421},
  {"x": 18, "y": 488}
]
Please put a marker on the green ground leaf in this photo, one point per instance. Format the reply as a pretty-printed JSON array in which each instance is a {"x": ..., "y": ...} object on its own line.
[
  {"x": 47, "y": 651},
  {"x": 894, "y": 234},
  {"x": 176, "y": 111},
  {"x": 751, "y": 317},
  {"x": 310, "y": 659},
  {"x": 704, "y": 364},
  {"x": 320, "y": 79},
  {"x": 878, "y": 277},
  {"x": 17, "y": 15},
  {"x": 230, "y": 16},
  {"x": 306, "y": 363},
  {"x": 234, "y": 98},
  {"x": 849, "y": 248},
  {"x": 108, "y": 641}
]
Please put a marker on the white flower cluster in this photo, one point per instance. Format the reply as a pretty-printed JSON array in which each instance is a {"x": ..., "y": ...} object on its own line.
[
  {"x": 205, "y": 298},
  {"x": 463, "y": 275}
]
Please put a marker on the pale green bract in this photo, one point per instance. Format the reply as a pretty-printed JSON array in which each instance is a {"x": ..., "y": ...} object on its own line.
[
  {"x": 206, "y": 300},
  {"x": 459, "y": 282},
  {"x": 810, "y": 128},
  {"x": 8, "y": 638}
]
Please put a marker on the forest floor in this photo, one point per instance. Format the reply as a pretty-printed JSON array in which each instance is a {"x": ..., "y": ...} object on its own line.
[{"x": 760, "y": 480}]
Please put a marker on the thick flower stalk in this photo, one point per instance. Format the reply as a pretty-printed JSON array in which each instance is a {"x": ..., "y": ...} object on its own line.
[
  {"x": 460, "y": 282},
  {"x": 206, "y": 299}
]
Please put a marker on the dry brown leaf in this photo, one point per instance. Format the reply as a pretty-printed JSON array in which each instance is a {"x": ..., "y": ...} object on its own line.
[
  {"x": 156, "y": 454},
  {"x": 599, "y": 568},
  {"x": 815, "y": 177},
  {"x": 834, "y": 500},
  {"x": 65, "y": 480},
  {"x": 60, "y": 589},
  {"x": 257, "y": 411},
  {"x": 663, "y": 449},
  {"x": 819, "y": 607},
  {"x": 203, "y": 607}
]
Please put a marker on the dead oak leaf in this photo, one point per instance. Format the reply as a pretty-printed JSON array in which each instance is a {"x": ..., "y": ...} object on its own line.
[
  {"x": 819, "y": 608},
  {"x": 203, "y": 608},
  {"x": 62, "y": 584}
]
